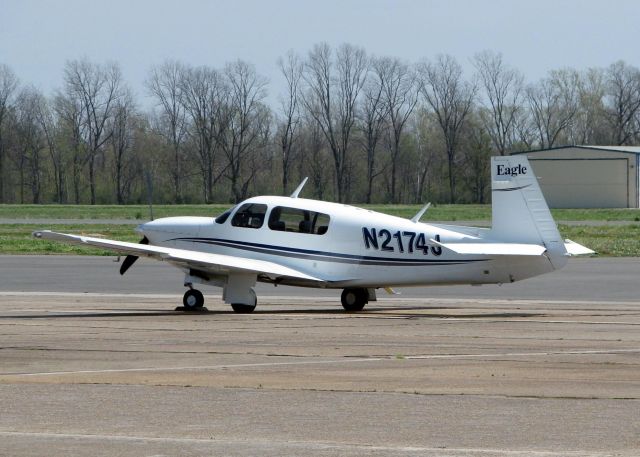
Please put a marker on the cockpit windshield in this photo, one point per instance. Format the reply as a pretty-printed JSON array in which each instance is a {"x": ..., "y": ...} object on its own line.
[
  {"x": 224, "y": 216},
  {"x": 250, "y": 215}
]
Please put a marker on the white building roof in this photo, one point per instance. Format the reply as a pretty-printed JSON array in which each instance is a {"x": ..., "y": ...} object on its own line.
[
  {"x": 624, "y": 149},
  {"x": 633, "y": 149}
]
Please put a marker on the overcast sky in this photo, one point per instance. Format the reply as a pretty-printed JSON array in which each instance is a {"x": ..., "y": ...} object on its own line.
[{"x": 37, "y": 36}]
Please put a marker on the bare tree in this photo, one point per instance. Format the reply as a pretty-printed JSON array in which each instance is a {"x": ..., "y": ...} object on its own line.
[
  {"x": 122, "y": 127},
  {"x": 164, "y": 85},
  {"x": 333, "y": 86},
  {"x": 553, "y": 104},
  {"x": 400, "y": 96},
  {"x": 205, "y": 99},
  {"x": 476, "y": 172},
  {"x": 246, "y": 121},
  {"x": 97, "y": 88},
  {"x": 623, "y": 94},
  {"x": 373, "y": 116},
  {"x": 50, "y": 127},
  {"x": 451, "y": 99},
  {"x": 71, "y": 119},
  {"x": 259, "y": 159},
  {"x": 8, "y": 85},
  {"x": 503, "y": 90},
  {"x": 289, "y": 123},
  {"x": 29, "y": 143},
  {"x": 424, "y": 132},
  {"x": 314, "y": 150},
  {"x": 589, "y": 126},
  {"x": 524, "y": 131}
]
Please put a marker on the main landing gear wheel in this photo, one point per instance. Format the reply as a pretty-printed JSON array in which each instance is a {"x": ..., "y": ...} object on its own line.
[
  {"x": 242, "y": 309},
  {"x": 193, "y": 299},
  {"x": 354, "y": 299}
]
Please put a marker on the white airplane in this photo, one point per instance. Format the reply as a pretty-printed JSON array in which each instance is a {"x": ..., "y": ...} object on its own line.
[{"x": 310, "y": 243}]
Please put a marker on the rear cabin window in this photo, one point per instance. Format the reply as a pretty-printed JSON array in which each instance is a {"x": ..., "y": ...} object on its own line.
[
  {"x": 283, "y": 219},
  {"x": 249, "y": 215}
]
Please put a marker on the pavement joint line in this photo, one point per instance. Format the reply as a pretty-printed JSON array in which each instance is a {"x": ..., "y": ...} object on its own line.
[
  {"x": 371, "y": 315},
  {"x": 523, "y": 354},
  {"x": 303, "y": 444},
  {"x": 203, "y": 368},
  {"x": 326, "y": 362}
]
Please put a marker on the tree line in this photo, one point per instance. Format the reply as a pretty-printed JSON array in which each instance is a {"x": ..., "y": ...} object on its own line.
[{"x": 363, "y": 128}]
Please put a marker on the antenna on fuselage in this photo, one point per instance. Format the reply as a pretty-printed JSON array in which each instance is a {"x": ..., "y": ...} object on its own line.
[
  {"x": 299, "y": 188},
  {"x": 420, "y": 213}
]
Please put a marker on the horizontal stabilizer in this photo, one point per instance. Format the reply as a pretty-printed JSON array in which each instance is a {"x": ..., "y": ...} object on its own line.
[
  {"x": 574, "y": 248},
  {"x": 493, "y": 248}
]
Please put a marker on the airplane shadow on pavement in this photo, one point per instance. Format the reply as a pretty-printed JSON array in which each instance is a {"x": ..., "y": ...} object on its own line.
[{"x": 413, "y": 312}]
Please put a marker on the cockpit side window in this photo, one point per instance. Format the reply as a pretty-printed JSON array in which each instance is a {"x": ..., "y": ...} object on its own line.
[
  {"x": 224, "y": 216},
  {"x": 249, "y": 215},
  {"x": 283, "y": 219}
]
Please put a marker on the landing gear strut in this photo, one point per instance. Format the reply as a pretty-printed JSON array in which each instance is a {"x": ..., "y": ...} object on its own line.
[{"x": 354, "y": 299}]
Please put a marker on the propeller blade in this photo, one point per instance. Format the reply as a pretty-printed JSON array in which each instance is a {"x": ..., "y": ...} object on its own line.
[
  {"x": 127, "y": 262},
  {"x": 131, "y": 259}
]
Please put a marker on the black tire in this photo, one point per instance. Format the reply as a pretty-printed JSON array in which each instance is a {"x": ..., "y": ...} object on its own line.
[
  {"x": 193, "y": 299},
  {"x": 242, "y": 309},
  {"x": 354, "y": 299}
]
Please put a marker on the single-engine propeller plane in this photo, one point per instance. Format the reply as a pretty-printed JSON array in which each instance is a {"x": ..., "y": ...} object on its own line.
[{"x": 310, "y": 243}]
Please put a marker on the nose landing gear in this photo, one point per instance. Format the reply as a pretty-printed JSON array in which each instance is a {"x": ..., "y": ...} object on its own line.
[
  {"x": 193, "y": 299},
  {"x": 237, "y": 291}
]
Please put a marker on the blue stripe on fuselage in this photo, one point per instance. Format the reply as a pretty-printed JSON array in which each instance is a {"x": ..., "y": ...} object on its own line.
[{"x": 322, "y": 255}]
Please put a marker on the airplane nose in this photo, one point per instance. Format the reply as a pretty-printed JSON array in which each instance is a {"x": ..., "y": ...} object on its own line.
[
  {"x": 182, "y": 225},
  {"x": 141, "y": 228},
  {"x": 158, "y": 225}
]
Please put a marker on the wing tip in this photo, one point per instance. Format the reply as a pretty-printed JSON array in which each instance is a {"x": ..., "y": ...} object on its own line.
[
  {"x": 576, "y": 249},
  {"x": 39, "y": 233}
]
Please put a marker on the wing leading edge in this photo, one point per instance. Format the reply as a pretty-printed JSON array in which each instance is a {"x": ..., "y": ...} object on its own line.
[{"x": 214, "y": 263}]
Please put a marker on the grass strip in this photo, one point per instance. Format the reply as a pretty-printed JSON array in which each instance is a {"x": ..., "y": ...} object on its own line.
[
  {"x": 612, "y": 241},
  {"x": 17, "y": 238},
  {"x": 435, "y": 213}
]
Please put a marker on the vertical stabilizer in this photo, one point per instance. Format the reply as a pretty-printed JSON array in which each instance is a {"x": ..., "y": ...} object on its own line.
[{"x": 519, "y": 211}]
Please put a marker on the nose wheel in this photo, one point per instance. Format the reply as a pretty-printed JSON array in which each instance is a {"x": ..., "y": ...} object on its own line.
[{"x": 193, "y": 300}]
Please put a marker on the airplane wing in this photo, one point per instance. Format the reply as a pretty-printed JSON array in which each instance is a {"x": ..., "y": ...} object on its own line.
[
  {"x": 213, "y": 263},
  {"x": 493, "y": 248}
]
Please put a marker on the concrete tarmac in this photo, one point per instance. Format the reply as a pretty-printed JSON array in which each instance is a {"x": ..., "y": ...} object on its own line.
[
  {"x": 551, "y": 368},
  {"x": 596, "y": 278}
]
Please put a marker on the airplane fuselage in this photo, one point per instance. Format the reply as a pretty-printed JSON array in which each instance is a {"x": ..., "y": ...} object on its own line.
[{"x": 356, "y": 248}]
